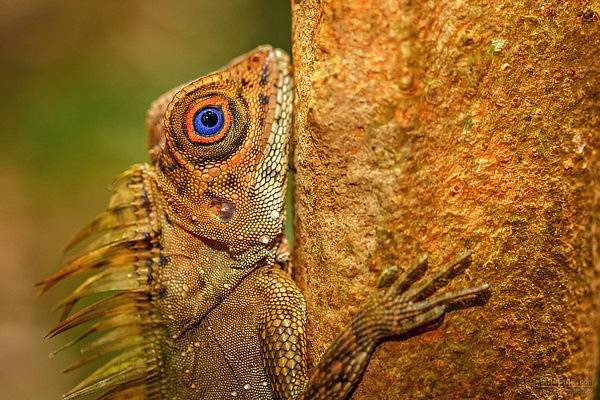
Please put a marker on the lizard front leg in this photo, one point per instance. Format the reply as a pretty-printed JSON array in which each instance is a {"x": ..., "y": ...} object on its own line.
[
  {"x": 282, "y": 256},
  {"x": 397, "y": 309}
]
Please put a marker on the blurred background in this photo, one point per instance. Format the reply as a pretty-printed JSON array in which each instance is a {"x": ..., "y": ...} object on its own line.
[{"x": 76, "y": 78}]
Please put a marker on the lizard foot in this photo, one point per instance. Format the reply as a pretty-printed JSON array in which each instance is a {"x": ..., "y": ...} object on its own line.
[{"x": 407, "y": 302}]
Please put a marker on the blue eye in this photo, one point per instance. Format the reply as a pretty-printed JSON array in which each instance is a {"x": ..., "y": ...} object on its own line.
[{"x": 208, "y": 121}]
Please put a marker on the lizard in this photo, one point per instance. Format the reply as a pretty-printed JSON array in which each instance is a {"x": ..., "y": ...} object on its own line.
[{"x": 190, "y": 260}]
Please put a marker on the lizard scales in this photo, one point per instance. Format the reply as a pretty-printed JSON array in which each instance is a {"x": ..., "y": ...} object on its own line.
[{"x": 190, "y": 252}]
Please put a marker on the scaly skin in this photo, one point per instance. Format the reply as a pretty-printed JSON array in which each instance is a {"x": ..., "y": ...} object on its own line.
[{"x": 189, "y": 249}]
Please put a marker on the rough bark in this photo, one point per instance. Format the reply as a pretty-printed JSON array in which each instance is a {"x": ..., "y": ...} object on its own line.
[{"x": 435, "y": 126}]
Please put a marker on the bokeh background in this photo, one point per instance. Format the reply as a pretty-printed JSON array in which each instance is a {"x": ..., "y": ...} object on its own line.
[{"x": 76, "y": 77}]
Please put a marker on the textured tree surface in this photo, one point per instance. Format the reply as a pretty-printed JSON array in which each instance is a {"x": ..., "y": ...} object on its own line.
[{"x": 435, "y": 126}]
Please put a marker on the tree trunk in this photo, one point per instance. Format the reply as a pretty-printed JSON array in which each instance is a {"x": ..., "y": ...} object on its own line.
[{"x": 435, "y": 126}]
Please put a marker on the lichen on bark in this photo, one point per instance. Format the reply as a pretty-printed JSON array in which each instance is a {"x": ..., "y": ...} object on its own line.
[{"x": 426, "y": 126}]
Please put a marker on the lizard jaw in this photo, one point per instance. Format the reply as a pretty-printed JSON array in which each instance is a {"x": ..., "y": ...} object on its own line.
[{"x": 271, "y": 177}]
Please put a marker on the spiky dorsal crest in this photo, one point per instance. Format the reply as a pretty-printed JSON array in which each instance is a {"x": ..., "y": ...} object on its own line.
[{"x": 122, "y": 250}]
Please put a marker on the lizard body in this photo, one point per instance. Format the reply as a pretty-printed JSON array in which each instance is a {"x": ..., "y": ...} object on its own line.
[{"x": 189, "y": 249}]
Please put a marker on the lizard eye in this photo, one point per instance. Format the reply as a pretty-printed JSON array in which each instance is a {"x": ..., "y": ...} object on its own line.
[{"x": 208, "y": 121}]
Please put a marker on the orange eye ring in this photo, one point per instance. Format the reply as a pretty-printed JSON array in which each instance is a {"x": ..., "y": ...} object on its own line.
[{"x": 210, "y": 102}]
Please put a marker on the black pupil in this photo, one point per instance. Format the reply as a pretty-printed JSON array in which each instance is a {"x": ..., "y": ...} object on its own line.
[{"x": 209, "y": 119}]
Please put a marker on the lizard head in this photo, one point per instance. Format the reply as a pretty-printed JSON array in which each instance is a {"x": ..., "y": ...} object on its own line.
[{"x": 220, "y": 145}]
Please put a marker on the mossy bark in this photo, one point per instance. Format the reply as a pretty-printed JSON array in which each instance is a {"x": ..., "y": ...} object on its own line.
[{"x": 435, "y": 126}]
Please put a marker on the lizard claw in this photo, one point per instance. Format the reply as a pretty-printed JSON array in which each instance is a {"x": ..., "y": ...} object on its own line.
[
  {"x": 436, "y": 280},
  {"x": 389, "y": 277},
  {"x": 283, "y": 257}
]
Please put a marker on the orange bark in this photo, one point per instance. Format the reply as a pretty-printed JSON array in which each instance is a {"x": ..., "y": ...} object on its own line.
[{"x": 428, "y": 126}]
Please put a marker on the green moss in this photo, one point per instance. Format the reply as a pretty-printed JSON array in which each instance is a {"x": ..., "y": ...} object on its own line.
[
  {"x": 517, "y": 220},
  {"x": 542, "y": 142},
  {"x": 468, "y": 123},
  {"x": 496, "y": 46},
  {"x": 471, "y": 60}
]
